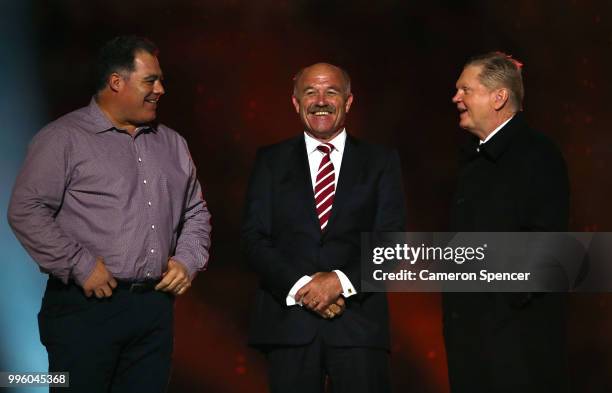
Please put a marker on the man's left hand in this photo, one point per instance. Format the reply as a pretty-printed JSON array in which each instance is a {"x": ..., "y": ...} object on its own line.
[
  {"x": 323, "y": 290},
  {"x": 175, "y": 280}
]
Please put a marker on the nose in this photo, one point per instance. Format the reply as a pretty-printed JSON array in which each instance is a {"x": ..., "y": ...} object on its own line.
[
  {"x": 321, "y": 99},
  {"x": 158, "y": 88},
  {"x": 457, "y": 97}
]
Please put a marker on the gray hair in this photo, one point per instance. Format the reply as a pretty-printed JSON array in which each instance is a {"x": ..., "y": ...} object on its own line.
[{"x": 501, "y": 70}]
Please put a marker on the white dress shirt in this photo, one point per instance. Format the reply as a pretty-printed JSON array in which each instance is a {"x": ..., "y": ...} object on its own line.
[{"x": 314, "y": 160}]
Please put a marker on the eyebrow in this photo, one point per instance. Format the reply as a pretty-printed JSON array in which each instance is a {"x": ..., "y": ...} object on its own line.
[
  {"x": 153, "y": 77},
  {"x": 309, "y": 87}
]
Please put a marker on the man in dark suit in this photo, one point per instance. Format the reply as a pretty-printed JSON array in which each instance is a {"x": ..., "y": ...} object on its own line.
[
  {"x": 512, "y": 179},
  {"x": 308, "y": 201}
]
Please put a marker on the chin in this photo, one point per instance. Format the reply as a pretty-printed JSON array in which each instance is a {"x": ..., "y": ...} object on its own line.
[
  {"x": 465, "y": 125},
  {"x": 150, "y": 118},
  {"x": 323, "y": 133}
]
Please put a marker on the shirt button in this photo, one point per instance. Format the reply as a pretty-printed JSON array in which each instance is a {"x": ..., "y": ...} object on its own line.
[
  {"x": 152, "y": 251},
  {"x": 148, "y": 274},
  {"x": 149, "y": 203},
  {"x": 140, "y": 160},
  {"x": 145, "y": 181},
  {"x": 152, "y": 226}
]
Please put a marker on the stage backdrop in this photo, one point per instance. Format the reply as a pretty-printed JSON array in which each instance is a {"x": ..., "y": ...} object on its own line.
[{"x": 228, "y": 67}]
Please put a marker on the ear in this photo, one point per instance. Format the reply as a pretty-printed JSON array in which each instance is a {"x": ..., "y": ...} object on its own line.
[
  {"x": 115, "y": 82},
  {"x": 296, "y": 104},
  {"x": 500, "y": 97},
  {"x": 349, "y": 102}
]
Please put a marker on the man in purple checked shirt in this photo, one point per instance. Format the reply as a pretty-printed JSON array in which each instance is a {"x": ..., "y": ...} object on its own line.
[{"x": 109, "y": 205}]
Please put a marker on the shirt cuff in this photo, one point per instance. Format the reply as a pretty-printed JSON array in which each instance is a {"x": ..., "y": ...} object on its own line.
[
  {"x": 348, "y": 289},
  {"x": 296, "y": 287},
  {"x": 82, "y": 269}
]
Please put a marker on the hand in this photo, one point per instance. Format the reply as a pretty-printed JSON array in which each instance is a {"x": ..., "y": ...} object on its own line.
[
  {"x": 100, "y": 282},
  {"x": 175, "y": 279},
  {"x": 335, "y": 309},
  {"x": 323, "y": 290}
]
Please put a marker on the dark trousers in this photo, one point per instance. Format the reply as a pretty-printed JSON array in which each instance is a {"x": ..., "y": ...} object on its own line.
[
  {"x": 118, "y": 344},
  {"x": 309, "y": 368}
]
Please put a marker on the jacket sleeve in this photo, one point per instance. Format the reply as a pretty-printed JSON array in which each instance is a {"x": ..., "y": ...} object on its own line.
[
  {"x": 277, "y": 274},
  {"x": 390, "y": 209}
]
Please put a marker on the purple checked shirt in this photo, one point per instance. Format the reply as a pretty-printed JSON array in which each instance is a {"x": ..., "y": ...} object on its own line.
[{"x": 88, "y": 189}]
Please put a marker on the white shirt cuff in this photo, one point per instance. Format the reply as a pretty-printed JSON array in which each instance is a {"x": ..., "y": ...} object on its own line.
[
  {"x": 348, "y": 289},
  {"x": 296, "y": 287}
]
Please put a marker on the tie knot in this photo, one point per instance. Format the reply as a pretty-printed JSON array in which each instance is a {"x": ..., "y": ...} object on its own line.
[{"x": 326, "y": 148}]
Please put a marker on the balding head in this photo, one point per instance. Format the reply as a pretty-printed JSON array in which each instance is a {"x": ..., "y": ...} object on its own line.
[
  {"x": 317, "y": 67},
  {"x": 322, "y": 98}
]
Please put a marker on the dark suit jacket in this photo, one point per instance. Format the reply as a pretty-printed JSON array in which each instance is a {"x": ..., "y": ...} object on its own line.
[
  {"x": 283, "y": 242},
  {"x": 509, "y": 342}
]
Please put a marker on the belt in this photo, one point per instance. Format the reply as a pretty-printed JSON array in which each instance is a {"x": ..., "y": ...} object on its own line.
[
  {"x": 137, "y": 286},
  {"x": 132, "y": 286}
]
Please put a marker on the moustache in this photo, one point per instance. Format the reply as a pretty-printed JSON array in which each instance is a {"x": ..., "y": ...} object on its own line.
[{"x": 322, "y": 108}]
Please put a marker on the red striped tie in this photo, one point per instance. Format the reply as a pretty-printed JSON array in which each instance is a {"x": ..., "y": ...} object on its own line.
[{"x": 325, "y": 185}]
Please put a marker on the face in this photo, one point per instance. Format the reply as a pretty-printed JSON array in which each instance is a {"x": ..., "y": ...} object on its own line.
[
  {"x": 321, "y": 100},
  {"x": 475, "y": 102},
  {"x": 139, "y": 93}
]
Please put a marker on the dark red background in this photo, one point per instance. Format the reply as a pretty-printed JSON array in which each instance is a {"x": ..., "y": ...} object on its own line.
[{"x": 228, "y": 67}]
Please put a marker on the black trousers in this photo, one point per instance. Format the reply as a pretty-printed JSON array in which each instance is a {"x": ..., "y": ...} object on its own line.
[
  {"x": 118, "y": 344},
  {"x": 313, "y": 367}
]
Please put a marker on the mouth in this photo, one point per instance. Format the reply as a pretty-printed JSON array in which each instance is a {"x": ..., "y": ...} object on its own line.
[
  {"x": 152, "y": 100},
  {"x": 321, "y": 110}
]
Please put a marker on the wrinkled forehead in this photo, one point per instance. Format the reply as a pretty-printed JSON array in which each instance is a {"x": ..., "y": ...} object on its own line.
[
  {"x": 146, "y": 66},
  {"x": 469, "y": 76},
  {"x": 322, "y": 74}
]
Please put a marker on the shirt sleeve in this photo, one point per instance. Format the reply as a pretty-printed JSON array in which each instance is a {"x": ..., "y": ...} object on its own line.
[
  {"x": 193, "y": 243},
  {"x": 36, "y": 200},
  {"x": 295, "y": 288},
  {"x": 348, "y": 289}
]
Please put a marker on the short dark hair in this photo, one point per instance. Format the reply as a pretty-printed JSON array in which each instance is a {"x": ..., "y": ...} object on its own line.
[
  {"x": 501, "y": 70},
  {"x": 117, "y": 55}
]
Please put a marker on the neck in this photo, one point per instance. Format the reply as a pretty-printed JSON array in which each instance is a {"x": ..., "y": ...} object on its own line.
[
  {"x": 325, "y": 137},
  {"x": 112, "y": 111},
  {"x": 499, "y": 120}
]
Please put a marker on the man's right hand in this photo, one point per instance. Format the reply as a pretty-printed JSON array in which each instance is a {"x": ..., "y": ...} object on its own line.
[
  {"x": 100, "y": 281},
  {"x": 333, "y": 310}
]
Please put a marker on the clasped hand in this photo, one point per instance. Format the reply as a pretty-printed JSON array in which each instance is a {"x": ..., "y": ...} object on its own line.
[{"x": 323, "y": 295}]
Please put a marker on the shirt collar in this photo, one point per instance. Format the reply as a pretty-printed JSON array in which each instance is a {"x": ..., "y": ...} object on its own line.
[
  {"x": 99, "y": 122},
  {"x": 495, "y": 131},
  {"x": 338, "y": 142},
  {"x": 495, "y": 147}
]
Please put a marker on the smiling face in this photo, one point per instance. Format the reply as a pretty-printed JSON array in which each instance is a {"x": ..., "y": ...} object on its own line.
[
  {"x": 138, "y": 92},
  {"x": 476, "y": 103},
  {"x": 322, "y": 99}
]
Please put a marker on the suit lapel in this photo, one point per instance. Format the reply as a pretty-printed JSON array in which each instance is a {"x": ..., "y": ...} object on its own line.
[
  {"x": 352, "y": 161},
  {"x": 299, "y": 180}
]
